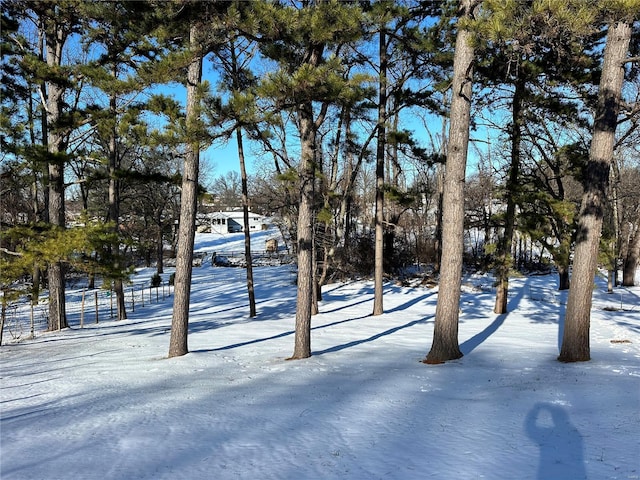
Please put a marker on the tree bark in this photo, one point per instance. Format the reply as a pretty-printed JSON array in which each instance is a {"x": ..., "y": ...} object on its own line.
[
  {"x": 56, "y": 146},
  {"x": 631, "y": 260},
  {"x": 378, "y": 308},
  {"x": 575, "y": 339},
  {"x": 504, "y": 257},
  {"x": 247, "y": 233},
  {"x": 563, "y": 277},
  {"x": 114, "y": 206},
  {"x": 302, "y": 346},
  {"x": 189, "y": 203},
  {"x": 445, "y": 335},
  {"x": 438, "y": 239},
  {"x": 244, "y": 187}
]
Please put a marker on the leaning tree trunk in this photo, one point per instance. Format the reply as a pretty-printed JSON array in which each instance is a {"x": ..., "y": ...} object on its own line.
[
  {"x": 445, "y": 335},
  {"x": 188, "y": 206},
  {"x": 575, "y": 339}
]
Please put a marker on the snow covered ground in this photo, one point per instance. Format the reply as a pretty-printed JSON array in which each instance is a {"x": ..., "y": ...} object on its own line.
[{"x": 104, "y": 402}]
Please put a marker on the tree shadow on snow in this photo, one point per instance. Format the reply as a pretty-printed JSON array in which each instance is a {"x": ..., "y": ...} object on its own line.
[
  {"x": 273, "y": 337},
  {"x": 389, "y": 331},
  {"x": 354, "y": 343},
  {"x": 474, "y": 342}
]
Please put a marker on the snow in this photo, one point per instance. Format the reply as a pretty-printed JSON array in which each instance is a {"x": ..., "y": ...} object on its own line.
[{"x": 104, "y": 402}]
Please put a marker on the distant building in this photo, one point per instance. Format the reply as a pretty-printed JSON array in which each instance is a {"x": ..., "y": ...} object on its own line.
[{"x": 233, "y": 221}]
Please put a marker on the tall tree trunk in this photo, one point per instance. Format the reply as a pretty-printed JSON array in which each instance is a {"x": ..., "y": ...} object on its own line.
[
  {"x": 575, "y": 339},
  {"x": 378, "y": 307},
  {"x": 440, "y": 169},
  {"x": 188, "y": 204},
  {"x": 504, "y": 257},
  {"x": 631, "y": 260},
  {"x": 302, "y": 347},
  {"x": 247, "y": 233},
  {"x": 615, "y": 227},
  {"x": 315, "y": 286},
  {"x": 438, "y": 239},
  {"x": 56, "y": 146},
  {"x": 445, "y": 335},
  {"x": 114, "y": 207},
  {"x": 36, "y": 167},
  {"x": 245, "y": 188}
]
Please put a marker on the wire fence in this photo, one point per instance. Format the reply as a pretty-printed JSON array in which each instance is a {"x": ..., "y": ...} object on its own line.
[
  {"x": 23, "y": 319},
  {"x": 620, "y": 299}
]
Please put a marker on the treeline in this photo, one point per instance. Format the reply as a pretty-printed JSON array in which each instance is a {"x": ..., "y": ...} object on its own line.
[{"x": 363, "y": 115}]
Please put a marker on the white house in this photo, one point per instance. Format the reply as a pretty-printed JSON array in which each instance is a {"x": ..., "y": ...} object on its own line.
[{"x": 233, "y": 221}]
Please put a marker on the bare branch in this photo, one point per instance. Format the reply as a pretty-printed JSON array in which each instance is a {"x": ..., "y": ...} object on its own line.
[{"x": 9, "y": 252}]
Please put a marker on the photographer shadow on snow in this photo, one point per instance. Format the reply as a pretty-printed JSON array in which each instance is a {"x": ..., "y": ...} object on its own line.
[{"x": 560, "y": 443}]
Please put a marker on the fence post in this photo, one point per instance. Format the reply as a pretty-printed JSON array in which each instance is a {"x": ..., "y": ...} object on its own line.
[
  {"x": 110, "y": 302},
  {"x": 133, "y": 300}
]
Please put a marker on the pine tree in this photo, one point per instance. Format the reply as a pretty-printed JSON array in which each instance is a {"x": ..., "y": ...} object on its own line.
[
  {"x": 121, "y": 30},
  {"x": 56, "y": 22},
  {"x": 205, "y": 34},
  {"x": 178, "y": 345},
  {"x": 550, "y": 194},
  {"x": 445, "y": 336},
  {"x": 575, "y": 339},
  {"x": 529, "y": 47},
  {"x": 234, "y": 60},
  {"x": 306, "y": 78}
]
